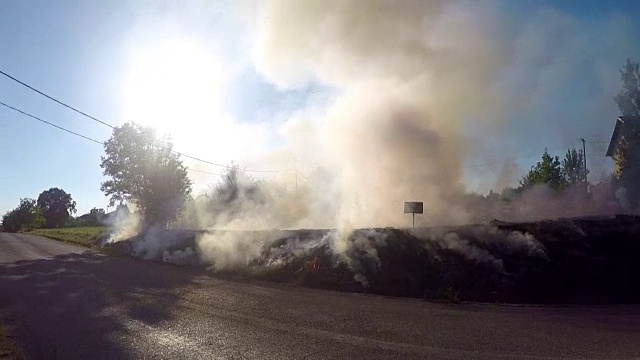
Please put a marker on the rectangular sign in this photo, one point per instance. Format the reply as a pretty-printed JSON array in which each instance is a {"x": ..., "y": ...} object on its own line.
[{"x": 413, "y": 207}]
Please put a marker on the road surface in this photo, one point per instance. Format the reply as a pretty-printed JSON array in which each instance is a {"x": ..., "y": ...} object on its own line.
[{"x": 64, "y": 302}]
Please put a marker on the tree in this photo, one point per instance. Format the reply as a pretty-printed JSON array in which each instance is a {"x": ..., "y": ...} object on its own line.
[
  {"x": 628, "y": 98},
  {"x": 573, "y": 168},
  {"x": 547, "y": 171},
  {"x": 98, "y": 213},
  {"x": 10, "y": 221},
  {"x": 144, "y": 170},
  {"x": 57, "y": 207},
  {"x": 235, "y": 190},
  {"x": 627, "y": 158},
  {"x": 26, "y": 216}
]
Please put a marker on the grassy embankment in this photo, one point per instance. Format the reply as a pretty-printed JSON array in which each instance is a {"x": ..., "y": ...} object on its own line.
[{"x": 84, "y": 236}]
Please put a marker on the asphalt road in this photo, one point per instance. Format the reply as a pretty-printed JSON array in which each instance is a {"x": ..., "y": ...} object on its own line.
[{"x": 64, "y": 302}]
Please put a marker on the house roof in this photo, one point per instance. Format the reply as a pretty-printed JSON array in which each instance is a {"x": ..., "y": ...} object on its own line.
[
  {"x": 617, "y": 132},
  {"x": 615, "y": 136}
]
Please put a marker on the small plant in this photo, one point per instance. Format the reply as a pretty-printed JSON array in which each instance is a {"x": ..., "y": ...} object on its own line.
[{"x": 450, "y": 295}]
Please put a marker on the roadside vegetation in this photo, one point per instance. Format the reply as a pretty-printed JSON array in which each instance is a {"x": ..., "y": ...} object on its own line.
[
  {"x": 144, "y": 170},
  {"x": 85, "y": 236}
]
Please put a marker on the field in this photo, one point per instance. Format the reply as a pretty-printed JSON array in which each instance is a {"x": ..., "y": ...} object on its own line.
[{"x": 85, "y": 236}]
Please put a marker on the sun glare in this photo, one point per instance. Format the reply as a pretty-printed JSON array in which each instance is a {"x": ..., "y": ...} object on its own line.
[
  {"x": 176, "y": 88},
  {"x": 173, "y": 83}
]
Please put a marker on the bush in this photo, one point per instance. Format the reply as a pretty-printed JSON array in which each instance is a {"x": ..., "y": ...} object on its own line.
[{"x": 25, "y": 217}]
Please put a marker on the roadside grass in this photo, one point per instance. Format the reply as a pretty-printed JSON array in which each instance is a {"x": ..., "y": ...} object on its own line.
[
  {"x": 7, "y": 347},
  {"x": 84, "y": 236}
]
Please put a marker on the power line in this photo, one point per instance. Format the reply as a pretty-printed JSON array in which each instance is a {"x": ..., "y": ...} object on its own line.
[
  {"x": 111, "y": 126},
  {"x": 56, "y": 100},
  {"x": 204, "y": 172},
  {"x": 224, "y": 166},
  {"x": 189, "y": 156},
  {"x": 51, "y": 124},
  {"x": 80, "y": 135},
  {"x": 195, "y": 170},
  {"x": 177, "y": 152}
]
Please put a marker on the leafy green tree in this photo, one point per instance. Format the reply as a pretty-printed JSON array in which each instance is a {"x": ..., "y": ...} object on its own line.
[
  {"x": 57, "y": 207},
  {"x": 144, "y": 170},
  {"x": 547, "y": 171},
  {"x": 628, "y": 98},
  {"x": 627, "y": 158},
  {"x": 573, "y": 168},
  {"x": 30, "y": 214},
  {"x": 10, "y": 221},
  {"x": 26, "y": 216}
]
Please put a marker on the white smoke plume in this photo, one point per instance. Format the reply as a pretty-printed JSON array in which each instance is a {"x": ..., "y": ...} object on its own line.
[
  {"x": 230, "y": 250},
  {"x": 409, "y": 73},
  {"x": 124, "y": 223},
  {"x": 408, "y": 77}
]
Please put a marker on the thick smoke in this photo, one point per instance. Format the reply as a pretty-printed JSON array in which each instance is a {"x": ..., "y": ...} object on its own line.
[
  {"x": 408, "y": 78},
  {"x": 409, "y": 73}
]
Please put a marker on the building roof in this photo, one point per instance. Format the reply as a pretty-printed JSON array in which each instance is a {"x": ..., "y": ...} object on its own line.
[
  {"x": 615, "y": 137},
  {"x": 617, "y": 132}
]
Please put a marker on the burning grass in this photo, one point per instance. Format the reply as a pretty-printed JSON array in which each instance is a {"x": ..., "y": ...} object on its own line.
[{"x": 584, "y": 260}]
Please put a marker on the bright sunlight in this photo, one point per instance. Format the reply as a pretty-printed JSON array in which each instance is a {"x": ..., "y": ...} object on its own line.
[{"x": 176, "y": 87}]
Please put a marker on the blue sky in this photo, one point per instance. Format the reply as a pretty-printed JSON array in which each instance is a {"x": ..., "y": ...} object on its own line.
[
  {"x": 77, "y": 52},
  {"x": 82, "y": 53}
]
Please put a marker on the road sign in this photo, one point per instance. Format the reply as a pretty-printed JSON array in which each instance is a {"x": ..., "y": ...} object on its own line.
[{"x": 413, "y": 208}]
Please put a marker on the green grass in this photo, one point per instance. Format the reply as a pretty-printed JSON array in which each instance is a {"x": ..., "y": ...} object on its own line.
[{"x": 85, "y": 236}]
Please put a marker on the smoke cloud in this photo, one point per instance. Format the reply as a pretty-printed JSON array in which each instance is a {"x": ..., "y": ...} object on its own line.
[
  {"x": 408, "y": 73},
  {"x": 409, "y": 78}
]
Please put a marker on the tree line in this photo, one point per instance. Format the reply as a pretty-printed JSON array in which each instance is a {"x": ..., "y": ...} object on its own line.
[
  {"x": 571, "y": 172},
  {"x": 54, "y": 208},
  {"x": 557, "y": 175}
]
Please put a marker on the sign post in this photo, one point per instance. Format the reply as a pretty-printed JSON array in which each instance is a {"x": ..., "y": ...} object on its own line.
[{"x": 413, "y": 208}]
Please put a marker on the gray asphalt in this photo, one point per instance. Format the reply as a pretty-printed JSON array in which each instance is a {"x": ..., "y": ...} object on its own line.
[{"x": 64, "y": 302}]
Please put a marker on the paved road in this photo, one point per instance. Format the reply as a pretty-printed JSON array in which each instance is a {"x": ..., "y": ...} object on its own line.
[{"x": 64, "y": 302}]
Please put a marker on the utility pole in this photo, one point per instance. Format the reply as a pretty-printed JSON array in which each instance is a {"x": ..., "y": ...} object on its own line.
[{"x": 584, "y": 157}]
